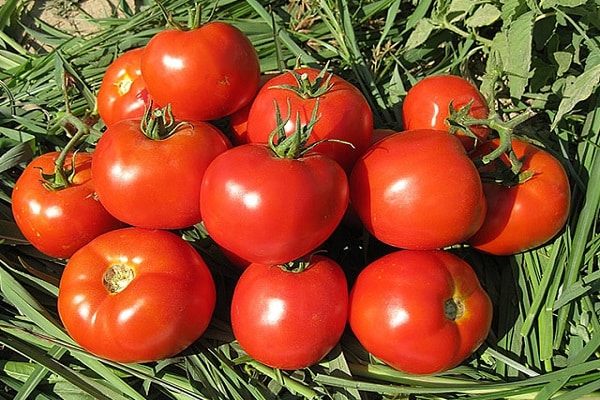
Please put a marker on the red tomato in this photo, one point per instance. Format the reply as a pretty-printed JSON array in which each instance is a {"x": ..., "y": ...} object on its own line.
[
  {"x": 155, "y": 183},
  {"x": 528, "y": 214},
  {"x": 58, "y": 222},
  {"x": 421, "y": 312},
  {"x": 272, "y": 210},
  {"x": 205, "y": 73},
  {"x": 136, "y": 295},
  {"x": 290, "y": 320},
  {"x": 426, "y": 105},
  {"x": 343, "y": 114},
  {"x": 123, "y": 93},
  {"x": 418, "y": 190}
]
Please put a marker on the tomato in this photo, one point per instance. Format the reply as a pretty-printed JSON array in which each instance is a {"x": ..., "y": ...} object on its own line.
[
  {"x": 268, "y": 209},
  {"x": 418, "y": 190},
  {"x": 136, "y": 295},
  {"x": 205, "y": 73},
  {"x": 155, "y": 182},
  {"x": 343, "y": 112},
  {"x": 421, "y": 312},
  {"x": 58, "y": 222},
  {"x": 426, "y": 105},
  {"x": 290, "y": 320},
  {"x": 123, "y": 93},
  {"x": 524, "y": 215}
]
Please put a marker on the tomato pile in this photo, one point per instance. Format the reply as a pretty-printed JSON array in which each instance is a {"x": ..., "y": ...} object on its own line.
[{"x": 300, "y": 159}]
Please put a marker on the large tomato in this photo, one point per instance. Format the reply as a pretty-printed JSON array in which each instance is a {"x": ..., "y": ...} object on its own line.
[
  {"x": 205, "y": 73},
  {"x": 268, "y": 209},
  {"x": 58, "y": 221},
  {"x": 123, "y": 93},
  {"x": 342, "y": 111},
  {"x": 154, "y": 182},
  {"x": 290, "y": 319},
  {"x": 135, "y": 295},
  {"x": 426, "y": 105},
  {"x": 418, "y": 190},
  {"x": 421, "y": 312},
  {"x": 524, "y": 215}
]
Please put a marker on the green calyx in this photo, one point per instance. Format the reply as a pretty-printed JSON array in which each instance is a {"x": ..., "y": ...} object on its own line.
[
  {"x": 159, "y": 123},
  {"x": 306, "y": 88},
  {"x": 294, "y": 145}
]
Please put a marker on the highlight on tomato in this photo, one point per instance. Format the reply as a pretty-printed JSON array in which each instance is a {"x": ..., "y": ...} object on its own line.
[
  {"x": 148, "y": 172},
  {"x": 123, "y": 93},
  {"x": 205, "y": 72},
  {"x": 529, "y": 209},
  {"x": 419, "y": 311},
  {"x": 344, "y": 114},
  {"x": 55, "y": 205},
  {"x": 418, "y": 190},
  {"x": 427, "y": 106},
  {"x": 136, "y": 295},
  {"x": 290, "y": 316}
]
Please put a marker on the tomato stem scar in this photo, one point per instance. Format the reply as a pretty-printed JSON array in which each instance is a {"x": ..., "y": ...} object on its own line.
[
  {"x": 117, "y": 277},
  {"x": 454, "y": 309}
]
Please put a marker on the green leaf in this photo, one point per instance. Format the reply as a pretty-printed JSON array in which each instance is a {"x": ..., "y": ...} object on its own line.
[
  {"x": 577, "y": 90},
  {"x": 420, "y": 34},
  {"x": 485, "y": 15},
  {"x": 517, "y": 59}
]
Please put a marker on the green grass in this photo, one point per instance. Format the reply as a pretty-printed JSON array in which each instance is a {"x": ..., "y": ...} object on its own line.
[{"x": 543, "y": 56}]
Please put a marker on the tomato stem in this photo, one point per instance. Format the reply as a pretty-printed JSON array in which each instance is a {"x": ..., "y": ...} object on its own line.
[
  {"x": 193, "y": 18},
  {"x": 159, "y": 124},
  {"x": 306, "y": 88},
  {"x": 117, "y": 277}
]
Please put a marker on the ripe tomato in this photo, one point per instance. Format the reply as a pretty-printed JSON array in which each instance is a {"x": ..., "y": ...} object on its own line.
[
  {"x": 205, "y": 73},
  {"x": 123, "y": 93},
  {"x": 421, "y": 312},
  {"x": 418, "y": 190},
  {"x": 136, "y": 295},
  {"x": 288, "y": 319},
  {"x": 426, "y": 105},
  {"x": 528, "y": 214},
  {"x": 153, "y": 183},
  {"x": 58, "y": 222},
  {"x": 343, "y": 112},
  {"x": 271, "y": 210}
]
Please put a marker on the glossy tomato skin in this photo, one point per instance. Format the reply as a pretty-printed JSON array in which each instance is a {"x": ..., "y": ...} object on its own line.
[
  {"x": 123, "y": 93},
  {"x": 526, "y": 215},
  {"x": 155, "y": 183},
  {"x": 205, "y": 73},
  {"x": 401, "y": 310},
  {"x": 426, "y": 105},
  {"x": 58, "y": 222},
  {"x": 418, "y": 190},
  {"x": 290, "y": 320},
  {"x": 343, "y": 114},
  {"x": 166, "y": 306},
  {"x": 272, "y": 210}
]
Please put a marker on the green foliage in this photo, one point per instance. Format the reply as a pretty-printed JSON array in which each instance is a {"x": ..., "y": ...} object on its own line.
[{"x": 538, "y": 55}]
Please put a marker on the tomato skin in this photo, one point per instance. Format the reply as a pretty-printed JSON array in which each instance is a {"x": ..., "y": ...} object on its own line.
[
  {"x": 290, "y": 320},
  {"x": 529, "y": 214},
  {"x": 57, "y": 223},
  {"x": 343, "y": 114},
  {"x": 426, "y": 105},
  {"x": 155, "y": 183},
  {"x": 397, "y": 310},
  {"x": 205, "y": 73},
  {"x": 123, "y": 93},
  {"x": 271, "y": 210},
  {"x": 167, "y": 306},
  {"x": 418, "y": 190}
]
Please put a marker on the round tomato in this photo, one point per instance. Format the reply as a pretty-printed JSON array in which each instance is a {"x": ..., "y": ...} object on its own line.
[
  {"x": 136, "y": 295},
  {"x": 205, "y": 73},
  {"x": 426, "y": 105},
  {"x": 342, "y": 112},
  {"x": 123, "y": 93},
  {"x": 271, "y": 210},
  {"x": 59, "y": 221},
  {"x": 524, "y": 215},
  {"x": 290, "y": 319},
  {"x": 418, "y": 190},
  {"x": 155, "y": 183},
  {"x": 421, "y": 312}
]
